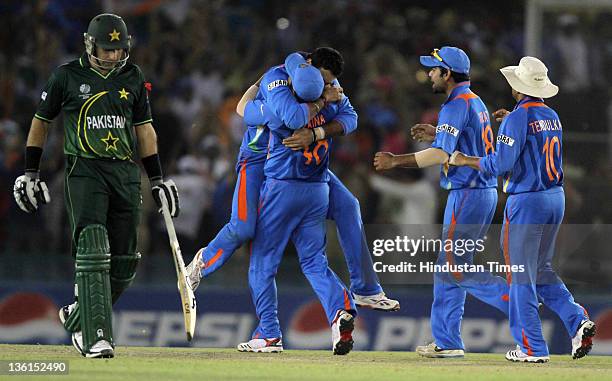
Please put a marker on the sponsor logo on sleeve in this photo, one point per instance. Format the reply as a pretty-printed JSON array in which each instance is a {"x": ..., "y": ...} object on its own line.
[
  {"x": 279, "y": 82},
  {"x": 448, "y": 129},
  {"x": 505, "y": 139}
]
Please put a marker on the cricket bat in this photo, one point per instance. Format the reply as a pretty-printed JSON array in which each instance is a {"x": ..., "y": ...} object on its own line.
[{"x": 187, "y": 298}]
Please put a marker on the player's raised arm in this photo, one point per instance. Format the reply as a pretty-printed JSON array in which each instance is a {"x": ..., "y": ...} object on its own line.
[{"x": 248, "y": 95}]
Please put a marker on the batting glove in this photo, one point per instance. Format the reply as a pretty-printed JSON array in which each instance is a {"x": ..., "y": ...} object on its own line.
[
  {"x": 29, "y": 192},
  {"x": 171, "y": 193}
]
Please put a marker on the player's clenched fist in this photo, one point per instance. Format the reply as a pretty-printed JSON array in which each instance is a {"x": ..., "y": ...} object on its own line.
[
  {"x": 500, "y": 114},
  {"x": 29, "y": 192},
  {"x": 333, "y": 94},
  {"x": 423, "y": 132},
  {"x": 383, "y": 160},
  {"x": 457, "y": 159},
  {"x": 171, "y": 192}
]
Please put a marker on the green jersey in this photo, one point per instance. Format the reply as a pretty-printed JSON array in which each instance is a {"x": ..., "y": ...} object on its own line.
[{"x": 100, "y": 111}]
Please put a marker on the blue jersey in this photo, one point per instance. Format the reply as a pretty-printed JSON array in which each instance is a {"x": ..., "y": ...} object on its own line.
[
  {"x": 305, "y": 165},
  {"x": 275, "y": 91},
  {"x": 529, "y": 146},
  {"x": 464, "y": 125}
]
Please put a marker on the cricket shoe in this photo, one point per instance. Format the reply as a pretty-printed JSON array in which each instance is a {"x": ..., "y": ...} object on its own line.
[
  {"x": 431, "y": 350},
  {"x": 342, "y": 332},
  {"x": 378, "y": 302},
  {"x": 65, "y": 311},
  {"x": 194, "y": 270},
  {"x": 261, "y": 346},
  {"x": 518, "y": 355},
  {"x": 101, "y": 349},
  {"x": 77, "y": 342},
  {"x": 582, "y": 342},
  {"x": 77, "y": 338}
]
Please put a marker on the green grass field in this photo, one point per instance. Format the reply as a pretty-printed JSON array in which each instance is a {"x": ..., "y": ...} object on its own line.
[{"x": 182, "y": 364}]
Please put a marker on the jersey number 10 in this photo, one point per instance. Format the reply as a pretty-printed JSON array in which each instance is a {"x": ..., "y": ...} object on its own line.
[{"x": 548, "y": 151}]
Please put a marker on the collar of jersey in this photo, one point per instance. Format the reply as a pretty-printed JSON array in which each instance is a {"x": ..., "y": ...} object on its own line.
[
  {"x": 528, "y": 99},
  {"x": 460, "y": 88},
  {"x": 84, "y": 61}
]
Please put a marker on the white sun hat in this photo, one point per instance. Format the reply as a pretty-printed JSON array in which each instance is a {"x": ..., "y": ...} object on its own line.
[{"x": 530, "y": 77}]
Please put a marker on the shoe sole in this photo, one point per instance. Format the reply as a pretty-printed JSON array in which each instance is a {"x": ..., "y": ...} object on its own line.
[
  {"x": 369, "y": 306},
  {"x": 538, "y": 361},
  {"x": 105, "y": 354},
  {"x": 345, "y": 345},
  {"x": 440, "y": 355},
  {"x": 587, "y": 341},
  {"x": 262, "y": 350}
]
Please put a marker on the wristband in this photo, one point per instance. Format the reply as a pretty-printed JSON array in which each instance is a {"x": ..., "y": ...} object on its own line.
[
  {"x": 319, "y": 133},
  {"x": 32, "y": 158},
  {"x": 153, "y": 168},
  {"x": 314, "y": 135}
]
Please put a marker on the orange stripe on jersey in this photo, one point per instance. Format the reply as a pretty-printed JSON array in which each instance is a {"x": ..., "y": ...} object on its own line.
[
  {"x": 347, "y": 301},
  {"x": 526, "y": 344},
  {"x": 533, "y": 104},
  {"x": 214, "y": 259},
  {"x": 242, "y": 197},
  {"x": 506, "y": 248},
  {"x": 466, "y": 97},
  {"x": 449, "y": 253}
]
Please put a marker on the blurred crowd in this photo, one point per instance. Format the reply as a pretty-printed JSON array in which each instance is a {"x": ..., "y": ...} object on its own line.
[{"x": 200, "y": 56}]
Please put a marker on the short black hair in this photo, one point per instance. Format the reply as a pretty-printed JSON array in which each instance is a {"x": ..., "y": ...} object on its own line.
[
  {"x": 458, "y": 77},
  {"x": 328, "y": 58}
]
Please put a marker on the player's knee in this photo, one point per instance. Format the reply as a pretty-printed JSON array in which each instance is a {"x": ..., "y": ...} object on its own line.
[
  {"x": 93, "y": 249},
  {"x": 122, "y": 272},
  {"x": 313, "y": 265}
]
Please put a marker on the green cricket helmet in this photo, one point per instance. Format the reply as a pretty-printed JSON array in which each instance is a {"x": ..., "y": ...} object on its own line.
[{"x": 108, "y": 31}]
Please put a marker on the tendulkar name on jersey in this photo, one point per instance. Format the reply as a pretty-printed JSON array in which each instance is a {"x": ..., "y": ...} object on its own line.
[{"x": 529, "y": 149}]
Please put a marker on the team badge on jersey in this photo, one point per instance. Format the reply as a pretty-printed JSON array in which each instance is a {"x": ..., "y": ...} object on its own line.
[{"x": 85, "y": 91}]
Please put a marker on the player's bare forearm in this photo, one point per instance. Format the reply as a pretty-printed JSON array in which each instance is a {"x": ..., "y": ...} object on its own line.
[
  {"x": 315, "y": 107},
  {"x": 38, "y": 133},
  {"x": 147, "y": 140},
  {"x": 407, "y": 160},
  {"x": 430, "y": 156},
  {"x": 249, "y": 95},
  {"x": 387, "y": 160},
  {"x": 332, "y": 129},
  {"x": 460, "y": 159},
  {"x": 473, "y": 162}
]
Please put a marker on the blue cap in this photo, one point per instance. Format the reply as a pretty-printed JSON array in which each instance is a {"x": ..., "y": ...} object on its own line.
[
  {"x": 306, "y": 79},
  {"x": 449, "y": 57}
]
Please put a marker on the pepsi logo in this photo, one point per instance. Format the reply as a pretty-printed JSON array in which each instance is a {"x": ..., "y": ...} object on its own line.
[{"x": 28, "y": 317}]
